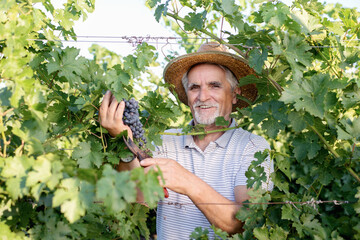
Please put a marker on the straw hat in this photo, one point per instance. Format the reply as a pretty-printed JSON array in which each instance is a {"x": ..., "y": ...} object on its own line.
[{"x": 210, "y": 53}]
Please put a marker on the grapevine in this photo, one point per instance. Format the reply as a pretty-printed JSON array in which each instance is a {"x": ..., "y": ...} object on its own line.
[{"x": 57, "y": 165}]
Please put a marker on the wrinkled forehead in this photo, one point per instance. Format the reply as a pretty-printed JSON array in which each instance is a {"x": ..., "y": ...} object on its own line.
[
  {"x": 206, "y": 72},
  {"x": 204, "y": 64},
  {"x": 206, "y": 69}
]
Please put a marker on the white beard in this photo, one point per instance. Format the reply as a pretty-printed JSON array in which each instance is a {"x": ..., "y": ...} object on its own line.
[{"x": 206, "y": 119}]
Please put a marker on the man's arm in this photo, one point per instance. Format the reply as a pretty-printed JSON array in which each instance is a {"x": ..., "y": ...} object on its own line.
[
  {"x": 111, "y": 113},
  {"x": 221, "y": 215}
]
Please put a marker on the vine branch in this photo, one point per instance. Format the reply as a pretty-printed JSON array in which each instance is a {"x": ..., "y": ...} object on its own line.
[
  {"x": 327, "y": 61},
  {"x": 332, "y": 150},
  {"x": 3, "y": 132},
  {"x": 204, "y": 132},
  {"x": 177, "y": 17}
]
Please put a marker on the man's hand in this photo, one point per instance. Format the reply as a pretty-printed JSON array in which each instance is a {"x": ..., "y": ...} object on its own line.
[
  {"x": 111, "y": 114},
  {"x": 173, "y": 173},
  {"x": 180, "y": 180}
]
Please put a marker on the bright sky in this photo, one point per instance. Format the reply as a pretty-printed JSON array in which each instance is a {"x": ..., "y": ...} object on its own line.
[
  {"x": 119, "y": 18},
  {"x": 132, "y": 18}
]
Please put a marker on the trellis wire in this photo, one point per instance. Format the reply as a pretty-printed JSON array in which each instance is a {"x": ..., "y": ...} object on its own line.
[
  {"x": 165, "y": 40},
  {"x": 165, "y": 152},
  {"x": 313, "y": 203}
]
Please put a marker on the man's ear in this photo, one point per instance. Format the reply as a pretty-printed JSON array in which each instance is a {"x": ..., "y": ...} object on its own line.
[{"x": 236, "y": 92}]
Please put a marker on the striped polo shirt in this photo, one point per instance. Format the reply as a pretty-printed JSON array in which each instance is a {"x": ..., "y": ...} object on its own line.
[{"x": 222, "y": 165}]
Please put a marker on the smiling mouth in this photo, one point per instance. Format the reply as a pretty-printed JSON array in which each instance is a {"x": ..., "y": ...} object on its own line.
[{"x": 205, "y": 107}]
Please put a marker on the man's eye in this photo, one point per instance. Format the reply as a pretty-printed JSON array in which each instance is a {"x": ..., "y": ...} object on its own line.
[
  {"x": 216, "y": 85},
  {"x": 194, "y": 87}
]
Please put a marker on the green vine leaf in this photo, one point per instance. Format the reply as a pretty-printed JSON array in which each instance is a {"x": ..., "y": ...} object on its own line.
[
  {"x": 299, "y": 120},
  {"x": 308, "y": 95},
  {"x": 261, "y": 233},
  {"x": 199, "y": 233},
  {"x": 195, "y": 21},
  {"x": 220, "y": 121},
  {"x": 255, "y": 173},
  {"x": 5, "y": 95},
  {"x": 352, "y": 129},
  {"x": 149, "y": 186},
  {"x": 272, "y": 115},
  {"x": 14, "y": 170},
  {"x": 6, "y": 232},
  {"x": 296, "y": 53},
  {"x": 88, "y": 154},
  {"x": 275, "y": 14},
  {"x": 257, "y": 58},
  {"x": 41, "y": 173},
  {"x": 308, "y": 22},
  {"x": 67, "y": 64},
  {"x": 70, "y": 198},
  {"x": 288, "y": 212},
  {"x": 115, "y": 189},
  {"x": 160, "y": 10},
  {"x": 229, "y": 6},
  {"x": 152, "y": 3},
  {"x": 306, "y": 146}
]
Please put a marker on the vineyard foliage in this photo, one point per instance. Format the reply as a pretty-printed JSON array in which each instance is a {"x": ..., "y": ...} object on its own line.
[{"x": 58, "y": 177}]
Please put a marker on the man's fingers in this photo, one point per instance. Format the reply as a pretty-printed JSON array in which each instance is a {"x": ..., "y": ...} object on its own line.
[
  {"x": 104, "y": 105},
  {"x": 112, "y": 108},
  {"x": 120, "y": 110},
  {"x": 148, "y": 162}
]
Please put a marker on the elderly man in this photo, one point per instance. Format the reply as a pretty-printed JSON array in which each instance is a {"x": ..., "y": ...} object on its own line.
[{"x": 201, "y": 170}]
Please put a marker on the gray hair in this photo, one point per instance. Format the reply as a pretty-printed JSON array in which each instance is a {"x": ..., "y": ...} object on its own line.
[{"x": 229, "y": 76}]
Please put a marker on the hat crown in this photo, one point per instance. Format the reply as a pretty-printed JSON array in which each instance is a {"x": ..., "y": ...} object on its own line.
[{"x": 212, "y": 46}]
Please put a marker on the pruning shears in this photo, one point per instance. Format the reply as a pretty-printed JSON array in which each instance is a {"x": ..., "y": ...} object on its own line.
[{"x": 141, "y": 155}]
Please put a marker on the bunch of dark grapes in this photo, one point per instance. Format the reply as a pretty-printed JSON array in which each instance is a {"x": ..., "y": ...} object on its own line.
[{"x": 131, "y": 118}]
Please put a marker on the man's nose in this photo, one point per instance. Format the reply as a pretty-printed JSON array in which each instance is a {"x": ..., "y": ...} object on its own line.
[{"x": 204, "y": 94}]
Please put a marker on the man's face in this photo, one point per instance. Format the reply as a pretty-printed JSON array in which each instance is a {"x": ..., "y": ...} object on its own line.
[{"x": 209, "y": 94}]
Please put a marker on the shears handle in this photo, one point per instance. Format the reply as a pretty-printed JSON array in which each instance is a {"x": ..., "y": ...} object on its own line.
[{"x": 166, "y": 193}]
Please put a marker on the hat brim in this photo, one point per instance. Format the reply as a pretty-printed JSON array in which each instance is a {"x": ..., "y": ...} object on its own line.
[{"x": 176, "y": 68}]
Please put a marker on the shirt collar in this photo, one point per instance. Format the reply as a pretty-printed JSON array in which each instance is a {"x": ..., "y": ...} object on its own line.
[{"x": 222, "y": 141}]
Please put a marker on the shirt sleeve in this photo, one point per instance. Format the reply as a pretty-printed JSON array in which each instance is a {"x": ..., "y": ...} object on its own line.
[{"x": 255, "y": 144}]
